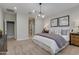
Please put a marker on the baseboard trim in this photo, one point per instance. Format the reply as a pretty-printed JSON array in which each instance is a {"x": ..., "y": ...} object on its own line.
[{"x": 22, "y": 39}]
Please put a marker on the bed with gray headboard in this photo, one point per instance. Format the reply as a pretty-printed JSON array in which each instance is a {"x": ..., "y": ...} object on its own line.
[{"x": 53, "y": 41}]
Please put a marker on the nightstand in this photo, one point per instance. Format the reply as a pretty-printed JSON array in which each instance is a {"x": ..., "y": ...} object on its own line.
[{"x": 74, "y": 39}]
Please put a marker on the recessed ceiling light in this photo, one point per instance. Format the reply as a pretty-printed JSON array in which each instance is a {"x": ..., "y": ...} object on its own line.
[{"x": 15, "y": 8}]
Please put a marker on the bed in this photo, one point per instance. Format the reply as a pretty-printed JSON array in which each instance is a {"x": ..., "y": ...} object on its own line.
[{"x": 50, "y": 44}]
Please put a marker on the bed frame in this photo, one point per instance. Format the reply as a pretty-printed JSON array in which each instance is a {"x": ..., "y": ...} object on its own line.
[{"x": 47, "y": 48}]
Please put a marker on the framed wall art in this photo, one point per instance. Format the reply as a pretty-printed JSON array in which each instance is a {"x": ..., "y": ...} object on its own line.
[
  {"x": 54, "y": 22},
  {"x": 63, "y": 21}
]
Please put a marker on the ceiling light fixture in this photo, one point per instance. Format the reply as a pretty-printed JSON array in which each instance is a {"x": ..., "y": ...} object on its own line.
[{"x": 40, "y": 12}]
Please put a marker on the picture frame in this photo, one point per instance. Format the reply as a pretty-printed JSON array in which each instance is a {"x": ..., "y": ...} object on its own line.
[
  {"x": 54, "y": 22},
  {"x": 63, "y": 21}
]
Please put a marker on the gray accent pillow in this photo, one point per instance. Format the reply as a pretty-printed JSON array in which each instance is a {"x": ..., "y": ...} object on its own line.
[{"x": 64, "y": 32}]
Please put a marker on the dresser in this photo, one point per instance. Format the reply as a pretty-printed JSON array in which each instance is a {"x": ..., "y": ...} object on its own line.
[
  {"x": 74, "y": 39},
  {"x": 3, "y": 43}
]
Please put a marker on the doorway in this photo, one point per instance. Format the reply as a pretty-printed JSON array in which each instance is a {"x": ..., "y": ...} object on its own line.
[
  {"x": 10, "y": 29},
  {"x": 31, "y": 26}
]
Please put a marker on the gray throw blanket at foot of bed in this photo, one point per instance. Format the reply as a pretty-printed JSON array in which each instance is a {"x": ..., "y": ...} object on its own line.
[{"x": 57, "y": 38}]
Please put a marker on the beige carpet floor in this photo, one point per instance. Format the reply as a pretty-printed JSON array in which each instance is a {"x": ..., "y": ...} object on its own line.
[{"x": 27, "y": 47}]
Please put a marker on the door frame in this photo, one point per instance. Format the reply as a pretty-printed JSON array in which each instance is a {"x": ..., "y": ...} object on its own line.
[
  {"x": 14, "y": 27},
  {"x": 33, "y": 19}
]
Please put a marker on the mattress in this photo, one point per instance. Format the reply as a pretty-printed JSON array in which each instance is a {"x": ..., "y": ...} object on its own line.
[{"x": 47, "y": 44}]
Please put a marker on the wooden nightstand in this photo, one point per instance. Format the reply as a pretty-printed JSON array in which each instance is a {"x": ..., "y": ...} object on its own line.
[{"x": 74, "y": 39}]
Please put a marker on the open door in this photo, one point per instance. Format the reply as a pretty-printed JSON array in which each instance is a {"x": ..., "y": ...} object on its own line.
[{"x": 31, "y": 26}]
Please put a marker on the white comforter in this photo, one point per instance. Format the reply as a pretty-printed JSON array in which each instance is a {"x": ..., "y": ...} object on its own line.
[{"x": 50, "y": 43}]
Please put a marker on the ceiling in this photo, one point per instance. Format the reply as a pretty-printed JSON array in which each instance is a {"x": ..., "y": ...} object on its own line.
[{"x": 47, "y": 8}]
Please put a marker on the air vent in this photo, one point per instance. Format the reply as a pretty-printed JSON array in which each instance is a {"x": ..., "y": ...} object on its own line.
[{"x": 10, "y": 10}]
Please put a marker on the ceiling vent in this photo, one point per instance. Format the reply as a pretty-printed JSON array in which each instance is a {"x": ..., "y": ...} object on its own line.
[{"x": 10, "y": 10}]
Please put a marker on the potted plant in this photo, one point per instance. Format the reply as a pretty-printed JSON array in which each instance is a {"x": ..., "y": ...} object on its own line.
[{"x": 0, "y": 33}]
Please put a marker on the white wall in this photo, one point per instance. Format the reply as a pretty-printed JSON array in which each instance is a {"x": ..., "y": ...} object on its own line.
[
  {"x": 39, "y": 25},
  {"x": 9, "y": 17},
  {"x": 22, "y": 26},
  {"x": 74, "y": 20},
  {"x": 74, "y": 16}
]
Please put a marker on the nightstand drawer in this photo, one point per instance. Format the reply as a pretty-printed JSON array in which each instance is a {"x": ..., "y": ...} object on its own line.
[
  {"x": 75, "y": 42},
  {"x": 74, "y": 38}
]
